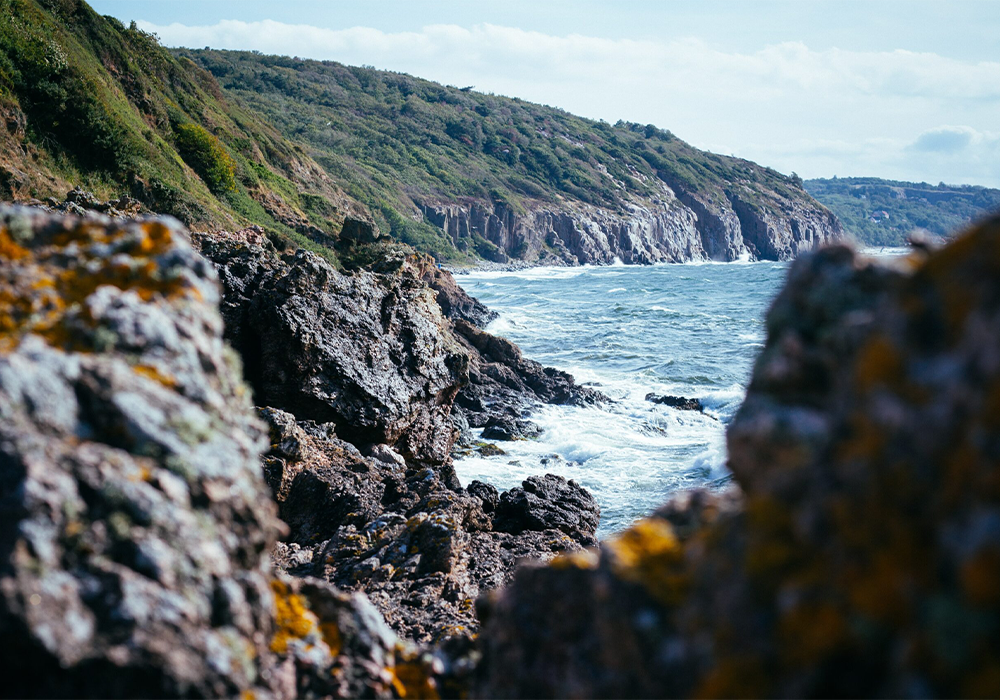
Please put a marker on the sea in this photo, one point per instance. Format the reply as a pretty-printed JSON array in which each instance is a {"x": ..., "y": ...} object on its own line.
[{"x": 690, "y": 330}]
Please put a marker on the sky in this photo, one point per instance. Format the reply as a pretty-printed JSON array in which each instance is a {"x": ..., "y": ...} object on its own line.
[{"x": 903, "y": 90}]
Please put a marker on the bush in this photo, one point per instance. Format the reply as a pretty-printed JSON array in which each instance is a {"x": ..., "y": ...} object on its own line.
[{"x": 207, "y": 156}]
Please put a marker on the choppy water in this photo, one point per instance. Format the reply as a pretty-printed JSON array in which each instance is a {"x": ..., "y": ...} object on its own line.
[{"x": 691, "y": 330}]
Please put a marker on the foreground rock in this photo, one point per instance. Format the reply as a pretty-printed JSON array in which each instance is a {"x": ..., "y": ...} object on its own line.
[
  {"x": 136, "y": 521},
  {"x": 126, "y": 430},
  {"x": 863, "y": 557}
]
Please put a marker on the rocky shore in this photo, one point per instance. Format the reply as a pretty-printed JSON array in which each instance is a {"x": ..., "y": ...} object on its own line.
[{"x": 227, "y": 469}]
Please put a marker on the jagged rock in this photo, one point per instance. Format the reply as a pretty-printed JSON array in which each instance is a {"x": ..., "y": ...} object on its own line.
[
  {"x": 135, "y": 521},
  {"x": 863, "y": 558},
  {"x": 420, "y": 549},
  {"x": 503, "y": 384},
  {"x": 366, "y": 352},
  {"x": 454, "y": 301},
  {"x": 679, "y": 402},
  {"x": 509, "y": 428},
  {"x": 549, "y": 502}
]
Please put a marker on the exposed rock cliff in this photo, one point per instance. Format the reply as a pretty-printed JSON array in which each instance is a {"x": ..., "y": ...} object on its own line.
[
  {"x": 675, "y": 227},
  {"x": 863, "y": 556}
]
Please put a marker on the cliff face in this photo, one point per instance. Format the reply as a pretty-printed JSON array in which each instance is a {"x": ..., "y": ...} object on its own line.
[
  {"x": 860, "y": 554},
  {"x": 677, "y": 227}
]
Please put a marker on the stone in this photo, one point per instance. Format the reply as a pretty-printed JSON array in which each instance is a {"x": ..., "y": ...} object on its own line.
[{"x": 136, "y": 521}]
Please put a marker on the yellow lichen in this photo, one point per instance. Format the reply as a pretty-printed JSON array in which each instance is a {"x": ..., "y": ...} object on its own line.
[
  {"x": 412, "y": 679},
  {"x": 293, "y": 619},
  {"x": 650, "y": 554}
]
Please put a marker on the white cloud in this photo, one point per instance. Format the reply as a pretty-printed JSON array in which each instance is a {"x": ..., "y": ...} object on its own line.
[{"x": 792, "y": 107}]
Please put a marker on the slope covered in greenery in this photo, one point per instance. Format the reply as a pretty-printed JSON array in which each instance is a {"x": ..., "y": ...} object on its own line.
[
  {"x": 885, "y": 212},
  {"x": 87, "y": 100},
  {"x": 394, "y": 141}
]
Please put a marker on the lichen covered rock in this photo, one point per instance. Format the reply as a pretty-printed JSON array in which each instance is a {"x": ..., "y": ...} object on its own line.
[
  {"x": 862, "y": 555},
  {"x": 125, "y": 430}
]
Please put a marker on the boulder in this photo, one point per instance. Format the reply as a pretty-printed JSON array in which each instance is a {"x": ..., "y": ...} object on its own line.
[
  {"x": 367, "y": 352},
  {"x": 861, "y": 554},
  {"x": 135, "y": 522},
  {"x": 549, "y": 502}
]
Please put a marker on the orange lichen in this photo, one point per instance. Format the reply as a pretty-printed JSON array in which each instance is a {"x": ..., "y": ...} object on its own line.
[
  {"x": 50, "y": 284},
  {"x": 151, "y": 372},
  {"x": 412, "y": 679},
  {"x": 331, "y": 635},
  {"x": 293, "y": 619}
]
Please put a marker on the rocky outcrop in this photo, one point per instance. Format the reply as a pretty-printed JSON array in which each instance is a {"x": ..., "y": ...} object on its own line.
[
  {"x": 367, "y": 352},
  {"x": 861, "y": 555},
  {"x": 677, "y": 226},
  {"x": 420, "y": 549},
  {"x": 504, "y": 385},
  {"x": 125, "y": 430}
]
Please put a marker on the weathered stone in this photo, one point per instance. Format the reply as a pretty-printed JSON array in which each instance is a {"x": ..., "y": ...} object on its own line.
[{"x": 135, "y": 521}]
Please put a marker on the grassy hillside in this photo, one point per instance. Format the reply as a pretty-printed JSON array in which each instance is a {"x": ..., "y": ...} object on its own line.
[
  {"x": 87, "y": 100},
  {"x": 885, "y": 212},
  {"x": 392, "y": 140}
]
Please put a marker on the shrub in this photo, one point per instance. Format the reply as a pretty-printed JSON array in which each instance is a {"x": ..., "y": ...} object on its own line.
[{"x": 207, "y": 156}]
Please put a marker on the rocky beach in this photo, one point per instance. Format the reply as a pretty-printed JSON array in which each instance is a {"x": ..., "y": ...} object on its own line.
[{"x": 228, "y": 469}]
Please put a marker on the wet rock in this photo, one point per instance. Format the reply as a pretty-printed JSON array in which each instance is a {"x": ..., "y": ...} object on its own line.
[
  {"x": 503, "y": 384},
  {"x": 509, "y": 428},
  {"x": 865, "y": 542},
  {"x": 549, "y": 502},
  {"x": 135, "y": 520},
  {"x": 678, "y": 402}
]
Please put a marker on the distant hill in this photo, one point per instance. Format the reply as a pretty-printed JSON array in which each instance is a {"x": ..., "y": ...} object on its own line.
[
  {"x": 458, "y": 171},
  {"x": 316, "y": 152},
  {"x": 885, "y": 212}
]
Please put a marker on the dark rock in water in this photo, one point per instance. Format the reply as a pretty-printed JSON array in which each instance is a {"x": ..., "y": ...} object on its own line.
[
  {"x": 509, "y": 428},
  {"x": 454, "y": 301},
  {"x": 502, "y": 383},
  {"x": 136, "y": 522},
  {"x": 866, "y": 541},
  {"x": 549, "y": 502},
  {"x": 678, "y": 402},
  {"x": 369, "y": 353}
]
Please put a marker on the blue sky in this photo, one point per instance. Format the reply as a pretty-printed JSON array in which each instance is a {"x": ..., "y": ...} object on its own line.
[{"x": 907, "y": 90}]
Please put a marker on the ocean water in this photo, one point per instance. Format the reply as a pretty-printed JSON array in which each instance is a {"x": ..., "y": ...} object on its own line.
[{"x": 689, "y": 330}]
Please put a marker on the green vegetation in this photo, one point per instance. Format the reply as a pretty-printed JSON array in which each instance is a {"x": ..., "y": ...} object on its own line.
[
  {"x": 394, "y": 142},
  {"x": 105, "y": 106},
  {"x": 206, "y": 155},
  {"x": 885, "y": 212}
]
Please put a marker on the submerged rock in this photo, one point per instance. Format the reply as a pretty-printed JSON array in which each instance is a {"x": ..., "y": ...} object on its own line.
[
  {"x": 863, "y": 556},
  {"x": 679, "y": 402}
]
